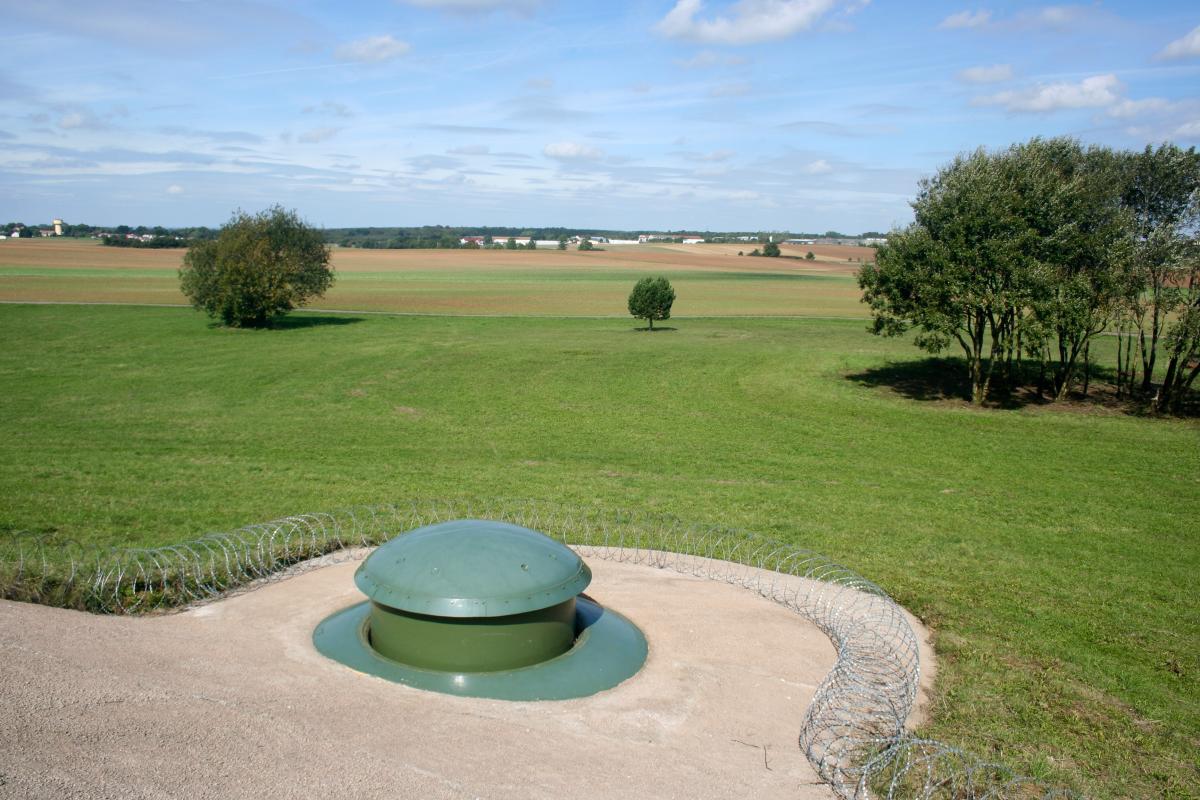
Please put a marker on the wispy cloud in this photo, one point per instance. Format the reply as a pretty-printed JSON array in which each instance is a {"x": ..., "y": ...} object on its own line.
[
  {"x": 818, "y": 167},
  {"x": 211, "y": 136},
  {"x": 736, "y": 89},
  {"x": 329, "y": 107},
  {"x": 965, "y": 19},
  {"x": 472, "y": 129},
  {"x": 995, "y": 73},
  {"x": 1098, "y": 91},
  {"x": 1130, "y": 109},
  {"x": 1185, "y": 47},
  {"x": 832, "y": 128},
  {"x": 543, "y": 108},
  {"x": 372, "y": 49},
  {"x": 716, "y": 156},
  {"x": 475, "y": 5},
  {"x": 710, "y": 58},
  {"x": 317, "y": 135},
  {"x": 1053, "y": 18},
  {"x": 749, "y": 22},
  {"x": 572, "y": 151}
]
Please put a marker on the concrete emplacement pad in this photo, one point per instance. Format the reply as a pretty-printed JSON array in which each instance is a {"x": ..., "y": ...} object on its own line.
[{"x": 231, "y": 699}]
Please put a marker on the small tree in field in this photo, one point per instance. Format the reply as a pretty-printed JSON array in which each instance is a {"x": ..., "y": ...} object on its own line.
[
  {"x": 771, "y": 250},
  {"x": 586, "y": 244},
  {"x": 651, "y": 299},
  {"x": 259, "y": 267},
  {"x": 809, "y": 256}
]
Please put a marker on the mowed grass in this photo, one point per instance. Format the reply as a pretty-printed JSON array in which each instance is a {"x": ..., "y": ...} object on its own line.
[
  {"x": 1054, "y": 552},
  {"x": 709, "y": 282}
]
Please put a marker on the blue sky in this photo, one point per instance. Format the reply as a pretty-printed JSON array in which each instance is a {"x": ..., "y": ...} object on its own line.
[{"x": 664, "y": 114}]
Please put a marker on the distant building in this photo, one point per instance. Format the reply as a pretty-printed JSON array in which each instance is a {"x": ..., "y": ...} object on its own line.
[
  {"x": 16, "y": 234},
  {"x": 501, "y": 240},
  {"x": 46, "y": 232},
  {"x": 58, "y": 223}
]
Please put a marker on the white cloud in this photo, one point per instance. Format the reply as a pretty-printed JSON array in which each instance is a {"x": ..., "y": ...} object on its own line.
[
  {"x": 1187, "y": 47},
  {"x": 965, "y": 19},
  {"x": 1098, "y": 91},
  {"x": 372, "y": 49},
  {"x": 990, "y": 74},
  {"x": 317, "y": 135},
  {"x": 710, "y": 58},
  {"x": 1189, "y": 130},
  {"x": 750, "y": 21},
  {"x": 572, "y": 151},
  {"x": 818, "y": 167},
  {"x": 174, "y": 188}
]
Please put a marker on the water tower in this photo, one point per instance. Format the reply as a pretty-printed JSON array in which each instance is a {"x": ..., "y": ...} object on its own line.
[{"x": 58, "y": 223}]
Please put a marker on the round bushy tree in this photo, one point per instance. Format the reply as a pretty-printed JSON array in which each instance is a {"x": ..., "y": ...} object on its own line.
[
  {"x": 651, "y": 299},
  {"x": 259, "y": 267}
]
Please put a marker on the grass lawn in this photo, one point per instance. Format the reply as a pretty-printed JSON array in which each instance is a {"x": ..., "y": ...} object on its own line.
[{"x": 1055, "y": 552}]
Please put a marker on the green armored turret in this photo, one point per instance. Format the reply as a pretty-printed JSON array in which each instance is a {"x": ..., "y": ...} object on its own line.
[
  {"x": 486, "y": 609},
  {"x": 472, "y": 596}
]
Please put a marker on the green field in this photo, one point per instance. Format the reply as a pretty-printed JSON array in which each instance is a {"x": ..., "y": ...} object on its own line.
[{"x": 1053, "y": 551}]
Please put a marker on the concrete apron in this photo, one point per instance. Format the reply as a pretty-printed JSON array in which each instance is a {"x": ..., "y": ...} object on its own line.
[{"x": 230, "y": 699}]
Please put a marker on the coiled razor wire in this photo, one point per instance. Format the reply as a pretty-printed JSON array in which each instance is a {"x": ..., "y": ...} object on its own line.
[{"x": 852, "y": 733}]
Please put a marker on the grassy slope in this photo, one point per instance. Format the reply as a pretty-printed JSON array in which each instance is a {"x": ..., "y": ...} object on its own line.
[{"x": 1054, "y": 552}]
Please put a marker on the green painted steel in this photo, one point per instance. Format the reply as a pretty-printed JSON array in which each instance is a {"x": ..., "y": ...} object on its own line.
[
  {"x": 609, "y": 649},
  {"x": 482, "y": 644},
  {"x": 472, "y": 568}
]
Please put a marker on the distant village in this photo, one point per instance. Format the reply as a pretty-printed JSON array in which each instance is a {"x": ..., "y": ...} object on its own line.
[
  {"x": 158, "y": 236},
  {"x": 523, "y": 242},
  {"x": 16, "y": 230}
]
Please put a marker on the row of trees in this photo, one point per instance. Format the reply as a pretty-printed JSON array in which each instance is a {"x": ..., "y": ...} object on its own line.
[{"x": 1023, "y": 256}]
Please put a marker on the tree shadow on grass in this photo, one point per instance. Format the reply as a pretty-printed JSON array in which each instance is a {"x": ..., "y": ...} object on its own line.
[
  {"x": 928, "y": 379},
  {"x": 295, "y": 321},
  {"x": 289, "y": 322},
  {"x": 655, "y": 329},
  {"x": 945, "y": 380}
]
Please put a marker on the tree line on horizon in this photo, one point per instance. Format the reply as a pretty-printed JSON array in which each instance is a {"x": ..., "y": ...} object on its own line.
[
  {"x": 1023, "y": 256},
  {"x": 424, "y": 236}
]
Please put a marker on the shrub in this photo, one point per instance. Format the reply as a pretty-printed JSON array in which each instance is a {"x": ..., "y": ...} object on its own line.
[{"x": 259, "y": 267}]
